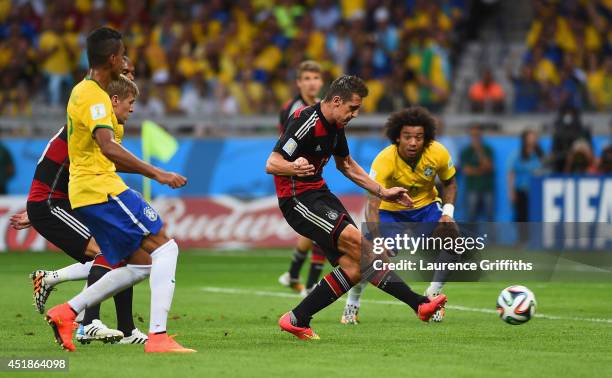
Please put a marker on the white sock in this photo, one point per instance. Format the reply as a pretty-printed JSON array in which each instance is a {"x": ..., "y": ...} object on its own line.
[
  {"x": 162, "y": 284},
  {"x": 354, "y": 295},
  {"x": 434, "y": 288},
  {"x": 74, "y": 272},
  {"x": 81, "y": 314},
  {"x": 110, "y": 284}
]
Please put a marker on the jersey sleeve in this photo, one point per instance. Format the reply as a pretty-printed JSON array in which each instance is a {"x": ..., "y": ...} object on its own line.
[
  {"x": 381, "y": 169},
  {"x": 293, "y": 139},
  {"x": 97, "y": 112},
  {"x": 341, "y": 149},
  {"x": 446, "y": 167}
]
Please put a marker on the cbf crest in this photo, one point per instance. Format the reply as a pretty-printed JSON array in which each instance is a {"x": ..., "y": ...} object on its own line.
[
  {"x": 150, "y": 213},
  {"x": 428, "y": 171}
]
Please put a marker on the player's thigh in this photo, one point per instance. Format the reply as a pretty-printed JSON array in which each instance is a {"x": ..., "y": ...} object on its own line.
[
  {"x": 57, "y": 223},
  {"x": 350, "y": 242}
]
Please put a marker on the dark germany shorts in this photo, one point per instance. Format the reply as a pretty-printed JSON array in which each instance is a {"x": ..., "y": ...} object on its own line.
[
  {"x": 57, "y": 222},
  {"x": 320, "y": 216}
]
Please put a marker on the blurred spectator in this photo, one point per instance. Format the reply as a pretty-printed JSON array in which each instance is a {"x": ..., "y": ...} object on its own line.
[
  {"x": 599, "y": 83},
  {"x": 568, "y": 128},
  {"x": 148, "y": 105},
  {"x": 340, "y": 45},
  {"x": 527, "y": 91},
  {"x": 6, "y": 167},
  {"x": 56, "y": 57},
  {"x": 431, "y": 85},
  {"x": 605, "y": 162},
  {"x": 196, "y": 98},
  {"x": 486, "y": 94},
  {"x": 524, "y": 165},
  {"x": 477, "y": 166},
  {"x": 326, "y": 15},
  {"x": 580, "y": 159}
]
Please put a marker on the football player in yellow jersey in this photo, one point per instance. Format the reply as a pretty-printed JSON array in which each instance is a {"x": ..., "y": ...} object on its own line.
[
  {"x": 125, "y": 226},
  {"x": 412, "y": 161}
]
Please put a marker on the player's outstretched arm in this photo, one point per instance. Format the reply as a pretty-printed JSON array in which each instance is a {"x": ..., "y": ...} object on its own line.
[
  {"x": 130, "y": 163},
  {"x": 356, "y": 174},
  {"x": 277, "y": 165}
]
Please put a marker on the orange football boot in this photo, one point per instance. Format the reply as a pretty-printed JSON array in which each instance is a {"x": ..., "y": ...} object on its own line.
[
  {"x": 303, "y": 333},
  {"x": 162, "y": 343},
  {"x": 426, "y": 310},
  {"x": 61, "y": 319}
]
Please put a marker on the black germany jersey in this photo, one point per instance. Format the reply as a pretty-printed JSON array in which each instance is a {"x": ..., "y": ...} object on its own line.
[
  {"x": 52, "y": 171},
  {"x": 308, "y": 135}
]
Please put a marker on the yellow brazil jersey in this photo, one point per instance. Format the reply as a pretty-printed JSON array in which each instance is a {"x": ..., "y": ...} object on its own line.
[
  {"x": 389, "y": 170},
  {"x": 92, "y": 175}
]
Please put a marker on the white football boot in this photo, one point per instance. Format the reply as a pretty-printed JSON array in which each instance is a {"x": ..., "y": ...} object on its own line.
[
  {"x": 98, "y": 331},
  {"x": 350, "y": 314},
  {"x": 137, "y": 337}
]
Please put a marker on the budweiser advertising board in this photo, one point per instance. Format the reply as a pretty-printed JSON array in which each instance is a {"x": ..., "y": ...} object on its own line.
[{"x": 223, "y": 222}]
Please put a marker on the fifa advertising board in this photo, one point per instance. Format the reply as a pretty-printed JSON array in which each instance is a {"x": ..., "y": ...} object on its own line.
[{"x": 581, "y": 204}]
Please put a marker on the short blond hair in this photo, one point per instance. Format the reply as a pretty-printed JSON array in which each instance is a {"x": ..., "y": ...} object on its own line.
[
  {"x": 308, "y": 66},
  {"x": 122, "y": 88}
]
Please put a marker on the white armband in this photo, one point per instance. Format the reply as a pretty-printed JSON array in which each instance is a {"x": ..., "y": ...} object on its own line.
[{"x": 448, "y": 209}]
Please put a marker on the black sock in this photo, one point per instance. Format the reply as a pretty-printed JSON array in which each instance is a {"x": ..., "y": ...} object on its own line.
[
  {"x": 95, "y": 273},
  {"x": 123, "y": 307},
  {"x": 296, "y": 263},
  {"x": 317, "y": 260},
  {"x": 314, "y": 274},
  {"x": 331, "y": 287},
  {"x": 389, "y": 282}
]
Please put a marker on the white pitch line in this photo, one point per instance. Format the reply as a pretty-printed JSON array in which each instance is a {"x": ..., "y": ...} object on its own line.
[{"x": 262, "y": 293}]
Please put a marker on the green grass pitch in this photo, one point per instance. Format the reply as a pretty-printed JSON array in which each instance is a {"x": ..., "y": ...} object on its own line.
[{"x": 226, "y": 306}]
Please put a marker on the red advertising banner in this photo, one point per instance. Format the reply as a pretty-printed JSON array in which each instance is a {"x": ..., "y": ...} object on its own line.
[{"x": 223, "y": 222}]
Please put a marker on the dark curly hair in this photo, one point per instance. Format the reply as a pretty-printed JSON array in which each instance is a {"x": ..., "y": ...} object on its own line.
[{"x": 412, "y": 116}]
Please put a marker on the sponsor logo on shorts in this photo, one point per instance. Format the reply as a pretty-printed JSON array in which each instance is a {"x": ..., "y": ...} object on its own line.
[
  {"x": 332, "y": 214},
  {"x": 150, "y": 213}
]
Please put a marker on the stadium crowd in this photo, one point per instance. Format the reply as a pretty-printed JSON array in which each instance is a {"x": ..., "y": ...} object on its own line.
[
  {"x": 568, "y": 61},
  {"x": 233, "y": 56}
]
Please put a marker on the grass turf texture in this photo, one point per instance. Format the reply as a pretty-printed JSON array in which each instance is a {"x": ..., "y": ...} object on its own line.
[{"x": 236, "y": 334}]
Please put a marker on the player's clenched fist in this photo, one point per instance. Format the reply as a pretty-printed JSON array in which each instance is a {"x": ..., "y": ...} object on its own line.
[
  {"x": 302, "y": 167},
  {"x": 173, "y": 180}
]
